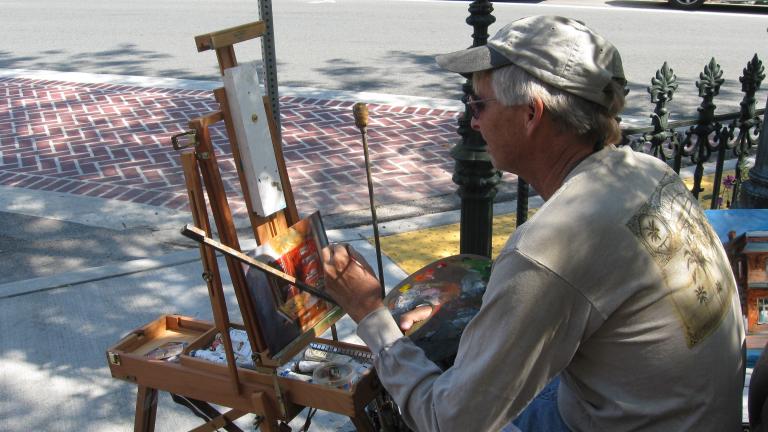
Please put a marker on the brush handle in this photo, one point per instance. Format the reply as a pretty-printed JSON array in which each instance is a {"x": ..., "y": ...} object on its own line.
[
  {"x": 360, "y": 112},
  {"x": 198, "y": 235}
]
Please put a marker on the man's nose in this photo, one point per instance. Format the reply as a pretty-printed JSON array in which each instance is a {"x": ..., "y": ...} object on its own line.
[{"x": 475, "y": 123}]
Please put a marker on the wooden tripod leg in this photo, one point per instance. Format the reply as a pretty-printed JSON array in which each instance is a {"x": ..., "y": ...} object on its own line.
[
  {"x": 146, "y": 409},
  {"x": 221, "y": 421},
  {"x": 263, "y": 407},
  {"x": 208, "y": 257},
  {"x": 362, "y": 422},
  {"x": 214, "y": 419},
  {"x": 222, "y": 215}
]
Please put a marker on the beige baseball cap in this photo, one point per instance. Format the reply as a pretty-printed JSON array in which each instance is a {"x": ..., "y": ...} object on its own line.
[{"x": 560, "y": 51}]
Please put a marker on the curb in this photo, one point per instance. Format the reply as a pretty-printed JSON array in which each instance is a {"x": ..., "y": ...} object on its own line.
[
  {"x": 186, "y": 84},
  {"x": 78, "y": 277},
  {"x": 357, "y": 236}
]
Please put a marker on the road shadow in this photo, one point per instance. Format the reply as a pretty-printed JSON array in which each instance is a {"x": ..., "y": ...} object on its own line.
[
  {"x": 122, "y": 59},
  {"x": 686, "y": 100},
  {"x": 32, "y": 247},
  {"x": 706, "y": 7},
  {"x": 638, "y": 4},
  {"x": 509, "y": 1},
  {"x": 395, "y": 69},
  {"x": 352, "y": 75}
]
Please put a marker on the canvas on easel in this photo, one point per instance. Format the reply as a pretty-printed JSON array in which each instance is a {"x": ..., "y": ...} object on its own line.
[{"x": 285, "y": 311}]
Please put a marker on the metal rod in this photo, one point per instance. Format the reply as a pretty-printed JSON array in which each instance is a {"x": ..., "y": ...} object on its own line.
[
  {"x": 270, "y": 62},
  {"x": 360, "y": 111},
  {"x": 199, "y": 236}
]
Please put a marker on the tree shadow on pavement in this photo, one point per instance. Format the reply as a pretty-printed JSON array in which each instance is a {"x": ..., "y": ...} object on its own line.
[
  {"x": 397, "y": 69},
  {"x": 400, "y": 67},
  {"x": 32, "y": 247},
  {"x": 122, "y": 59},
  {"x": 56, "y": 340}
]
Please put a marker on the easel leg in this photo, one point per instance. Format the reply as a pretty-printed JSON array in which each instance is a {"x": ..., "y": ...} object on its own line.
[
  {"x": 211, "y": 415},
  {"x": 262, "y": 406},
  {"x": 146, "y": 409},
  {"x": 362, "y": 422}
]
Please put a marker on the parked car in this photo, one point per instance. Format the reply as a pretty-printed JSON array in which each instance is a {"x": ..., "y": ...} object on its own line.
[
  {"x": 693, "y": 4},
  {"x": 686, "y": 4}
]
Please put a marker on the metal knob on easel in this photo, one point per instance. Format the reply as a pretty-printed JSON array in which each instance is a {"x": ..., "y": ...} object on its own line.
[{"x": 360, "y": 112}]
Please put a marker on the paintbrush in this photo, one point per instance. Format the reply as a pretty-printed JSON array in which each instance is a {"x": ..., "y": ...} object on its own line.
[
  {"x": 199, "y": 236},
  {"x": 360, "y": 112}
]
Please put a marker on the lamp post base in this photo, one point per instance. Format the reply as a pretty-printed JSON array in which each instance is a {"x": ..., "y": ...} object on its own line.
[{"x": 753, "y": 194}]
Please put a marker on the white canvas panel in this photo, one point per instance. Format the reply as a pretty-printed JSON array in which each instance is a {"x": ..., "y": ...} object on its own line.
[{"x": 251, "y": 126}]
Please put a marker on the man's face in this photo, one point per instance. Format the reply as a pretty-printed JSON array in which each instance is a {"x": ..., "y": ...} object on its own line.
[{"x": 500, "y": 126}]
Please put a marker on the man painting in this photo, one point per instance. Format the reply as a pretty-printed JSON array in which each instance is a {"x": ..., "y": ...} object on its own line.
[{"x": 613, "y": 308}]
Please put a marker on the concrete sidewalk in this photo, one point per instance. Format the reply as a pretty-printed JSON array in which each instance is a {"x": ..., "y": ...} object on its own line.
[
  {"x": 56, "y": 330},
  {"x": 91, "y": 200}
]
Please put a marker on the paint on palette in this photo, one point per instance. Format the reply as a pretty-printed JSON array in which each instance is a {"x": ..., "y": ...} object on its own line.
[{"x": 454, "y": 287}]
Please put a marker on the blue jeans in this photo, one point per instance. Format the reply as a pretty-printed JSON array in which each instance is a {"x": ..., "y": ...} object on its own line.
[{"x": 541, "y": 415}]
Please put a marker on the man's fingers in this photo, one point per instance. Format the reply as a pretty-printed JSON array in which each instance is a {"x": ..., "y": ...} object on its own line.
[
  {"x": 325, "y": 254},
  {"x": 406, "y": 324},
  {"x": 358, "y": 258},
  {"x": 417, "y": 314},
  {"x": 336, "y": 259},
  {"x": 328, "y": 264},
  {"x": 341, "y": 259}
]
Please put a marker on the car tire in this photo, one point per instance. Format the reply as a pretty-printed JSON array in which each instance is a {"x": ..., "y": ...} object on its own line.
[{"x": 686, "y": 4}]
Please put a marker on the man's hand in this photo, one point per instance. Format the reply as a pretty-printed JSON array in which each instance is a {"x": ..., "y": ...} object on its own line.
[{"x": 350, "y": 281}]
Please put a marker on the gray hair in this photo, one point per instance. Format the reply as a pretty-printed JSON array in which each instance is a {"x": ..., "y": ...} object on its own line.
[{"x": 514, "y": 86}]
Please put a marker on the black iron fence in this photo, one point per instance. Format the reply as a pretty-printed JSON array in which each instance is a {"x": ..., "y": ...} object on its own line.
[{"x": 732, "y": 136}]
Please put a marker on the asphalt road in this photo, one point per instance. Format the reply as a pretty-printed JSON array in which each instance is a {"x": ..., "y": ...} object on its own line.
[{"x": 384, "y": 46}]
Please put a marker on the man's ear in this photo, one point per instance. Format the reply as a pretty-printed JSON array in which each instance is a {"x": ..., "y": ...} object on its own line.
[{"x": 535, "y": 115}]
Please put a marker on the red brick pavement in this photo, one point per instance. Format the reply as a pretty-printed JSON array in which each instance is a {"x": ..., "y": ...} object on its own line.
[{"x": 113, "y": 141}]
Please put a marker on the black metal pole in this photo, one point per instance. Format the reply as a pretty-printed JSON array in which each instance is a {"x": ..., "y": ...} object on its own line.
[
  {"x": 473, "y": 173},
  {"x": 754, "y": 191}
]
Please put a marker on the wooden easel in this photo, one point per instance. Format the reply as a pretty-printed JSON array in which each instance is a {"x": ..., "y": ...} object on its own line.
[
  {"x": 259, "y": 391},
  {"x": 203, "y": 160}
]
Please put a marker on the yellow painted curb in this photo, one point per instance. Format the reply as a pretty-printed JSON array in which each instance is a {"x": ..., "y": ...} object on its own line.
[{"x": 413, "y": 250}]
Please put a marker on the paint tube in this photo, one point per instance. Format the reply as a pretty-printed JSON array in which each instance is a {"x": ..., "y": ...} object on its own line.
[
  {"x": 220, "y": 357},
  {"x": 286, "y": 373},
  {"x": 306, "y": 366},
  {"x": 211, "y": 356},
  {"x": 317, "y": 355},
  {"x": 240, "y": 344}
]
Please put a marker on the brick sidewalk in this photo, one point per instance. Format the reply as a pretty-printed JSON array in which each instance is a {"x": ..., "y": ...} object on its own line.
[{"x": 113, "y": 142}]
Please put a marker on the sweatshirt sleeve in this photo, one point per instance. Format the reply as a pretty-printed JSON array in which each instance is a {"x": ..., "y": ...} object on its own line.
[{"x": 529, "y": 326}]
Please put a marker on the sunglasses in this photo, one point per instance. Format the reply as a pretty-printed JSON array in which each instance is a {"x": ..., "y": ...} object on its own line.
[{"x": 476, "y": 106}]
